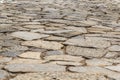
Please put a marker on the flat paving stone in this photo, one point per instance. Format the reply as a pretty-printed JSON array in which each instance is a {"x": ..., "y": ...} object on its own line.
[
  {"x": 43, "y": 44},
  {"x": 96, "y": 70},
  {"x": 96, "y": 42},
  {"x": 20, "y": 67},
  {"x": 28, "y": 35},
  {"x": 86, "y": 52},
  {"x": 58, "y": 76}
]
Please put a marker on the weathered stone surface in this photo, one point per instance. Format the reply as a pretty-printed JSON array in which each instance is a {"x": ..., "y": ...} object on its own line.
[
  {"x": 53, "y": 52},
  {"x": 5, "y": 60},
  {"x": 114, "y": 48},
  {"x": 61, "y": 33},
  {"x": 59, "y": 75},
  {"x": 97, "y": 62},
  {"x": 34, "y": 26},
  {"x": 68, "y": 35},
  {"x": 20, "y": 67},
  {"x": 114, "y": 68},
  {"x": 78, "y": 29},
  {"x": 18, "y": 48},
  {"x": 99, "y": 29},
  {"x": 86, "y": 52},
  {"x": 25, "y": 61},
  {"x": 54, "y": 32},
  {"x": 11, "y": 53},
  {"x": 115, "y": 61},
  {"x": 112, "y": 55},
  {"x": 4, "y": 75},
  {"x": 55, "y": 38},
  {"x": 67, "y": 63},
  {"x": 33, "y": 55},
  {"x": 96, "y": 70},
  {"x": 28, "y": 35},
  {"x": 43, "y": 44},
  {"x": 64, "y": 58},
  {"x": 88, "y": 42}
]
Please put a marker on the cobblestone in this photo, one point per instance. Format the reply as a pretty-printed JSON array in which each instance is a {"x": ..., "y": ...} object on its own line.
[{"x": 59, "y": 40}]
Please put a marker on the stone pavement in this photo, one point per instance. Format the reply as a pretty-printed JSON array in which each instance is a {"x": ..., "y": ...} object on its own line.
[{"x": 60, "y": 40}]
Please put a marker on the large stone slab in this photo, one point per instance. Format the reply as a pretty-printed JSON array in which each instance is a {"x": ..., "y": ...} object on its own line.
[
  {"x": 98, "y": 62},
  {"x": 86, "y": 52},
  {"x": 28, "y": 35},
  {"x": 34, "y": 67},
  {"x": 59, "y": 76},
  {"x": 26, "y": 61},
  {"x": 96, "y": 70},
  {"x": 96, "y": 42},
  {"x": 43, "y": 44}
]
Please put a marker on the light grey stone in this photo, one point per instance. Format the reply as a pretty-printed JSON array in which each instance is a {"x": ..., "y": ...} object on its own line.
[
  {"x": 113, "y": 68},
  {"x": 96, "y": 70},
  {"x": 44, "y": 44},
  {"x": 114, "y": 48},
  {"x": 3, "y": 75},
  {"x": 64, "y": 58},
  {"x": 20, "y": 67},
  {"x": 86, "y": 52},
  {"x": 97, "y": 62},
  {"x": 96, "y": 42},
  {"x": 28, "y": 35},
  {"x": 59, "y": 75}
]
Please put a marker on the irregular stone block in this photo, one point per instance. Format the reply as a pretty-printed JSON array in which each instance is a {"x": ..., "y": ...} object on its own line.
[
  {"x": 86, "y": 52},
  {"x": 32, "y": 55},
  {"x": 33, "y": 67},
  {"x": 96, "y": 42},
  {"x": 43, "y": 44},
  {"x": 28, "y": 35}
]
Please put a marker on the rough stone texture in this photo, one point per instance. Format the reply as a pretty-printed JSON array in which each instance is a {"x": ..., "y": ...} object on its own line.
[
  {"x": 64, "y": 58},
  {"x": 114, "y": 48},
  {"x": 21, "y": 67},
  {"x": 28, "y": 35},
  {"x": 43, "y": 44},
  {"x": 88, "y": 42},
  {"x": 67, "y": 63},
  {"x": 96, "y": 70},
  {"x": 5, "y": 60},
  {"x": 59, "y": 75},
  {"x": 86, "y": 52},
  {"x": 97, "y": 62},
  {"x": 114, "y": 68},
  {"x": 82, "y": 36},
  {"x": 25, "y": 61},
  {"x": 112, "y": 54},
  {"x": 33, "y": 55},
  {"x": 4, "y": 75}
]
